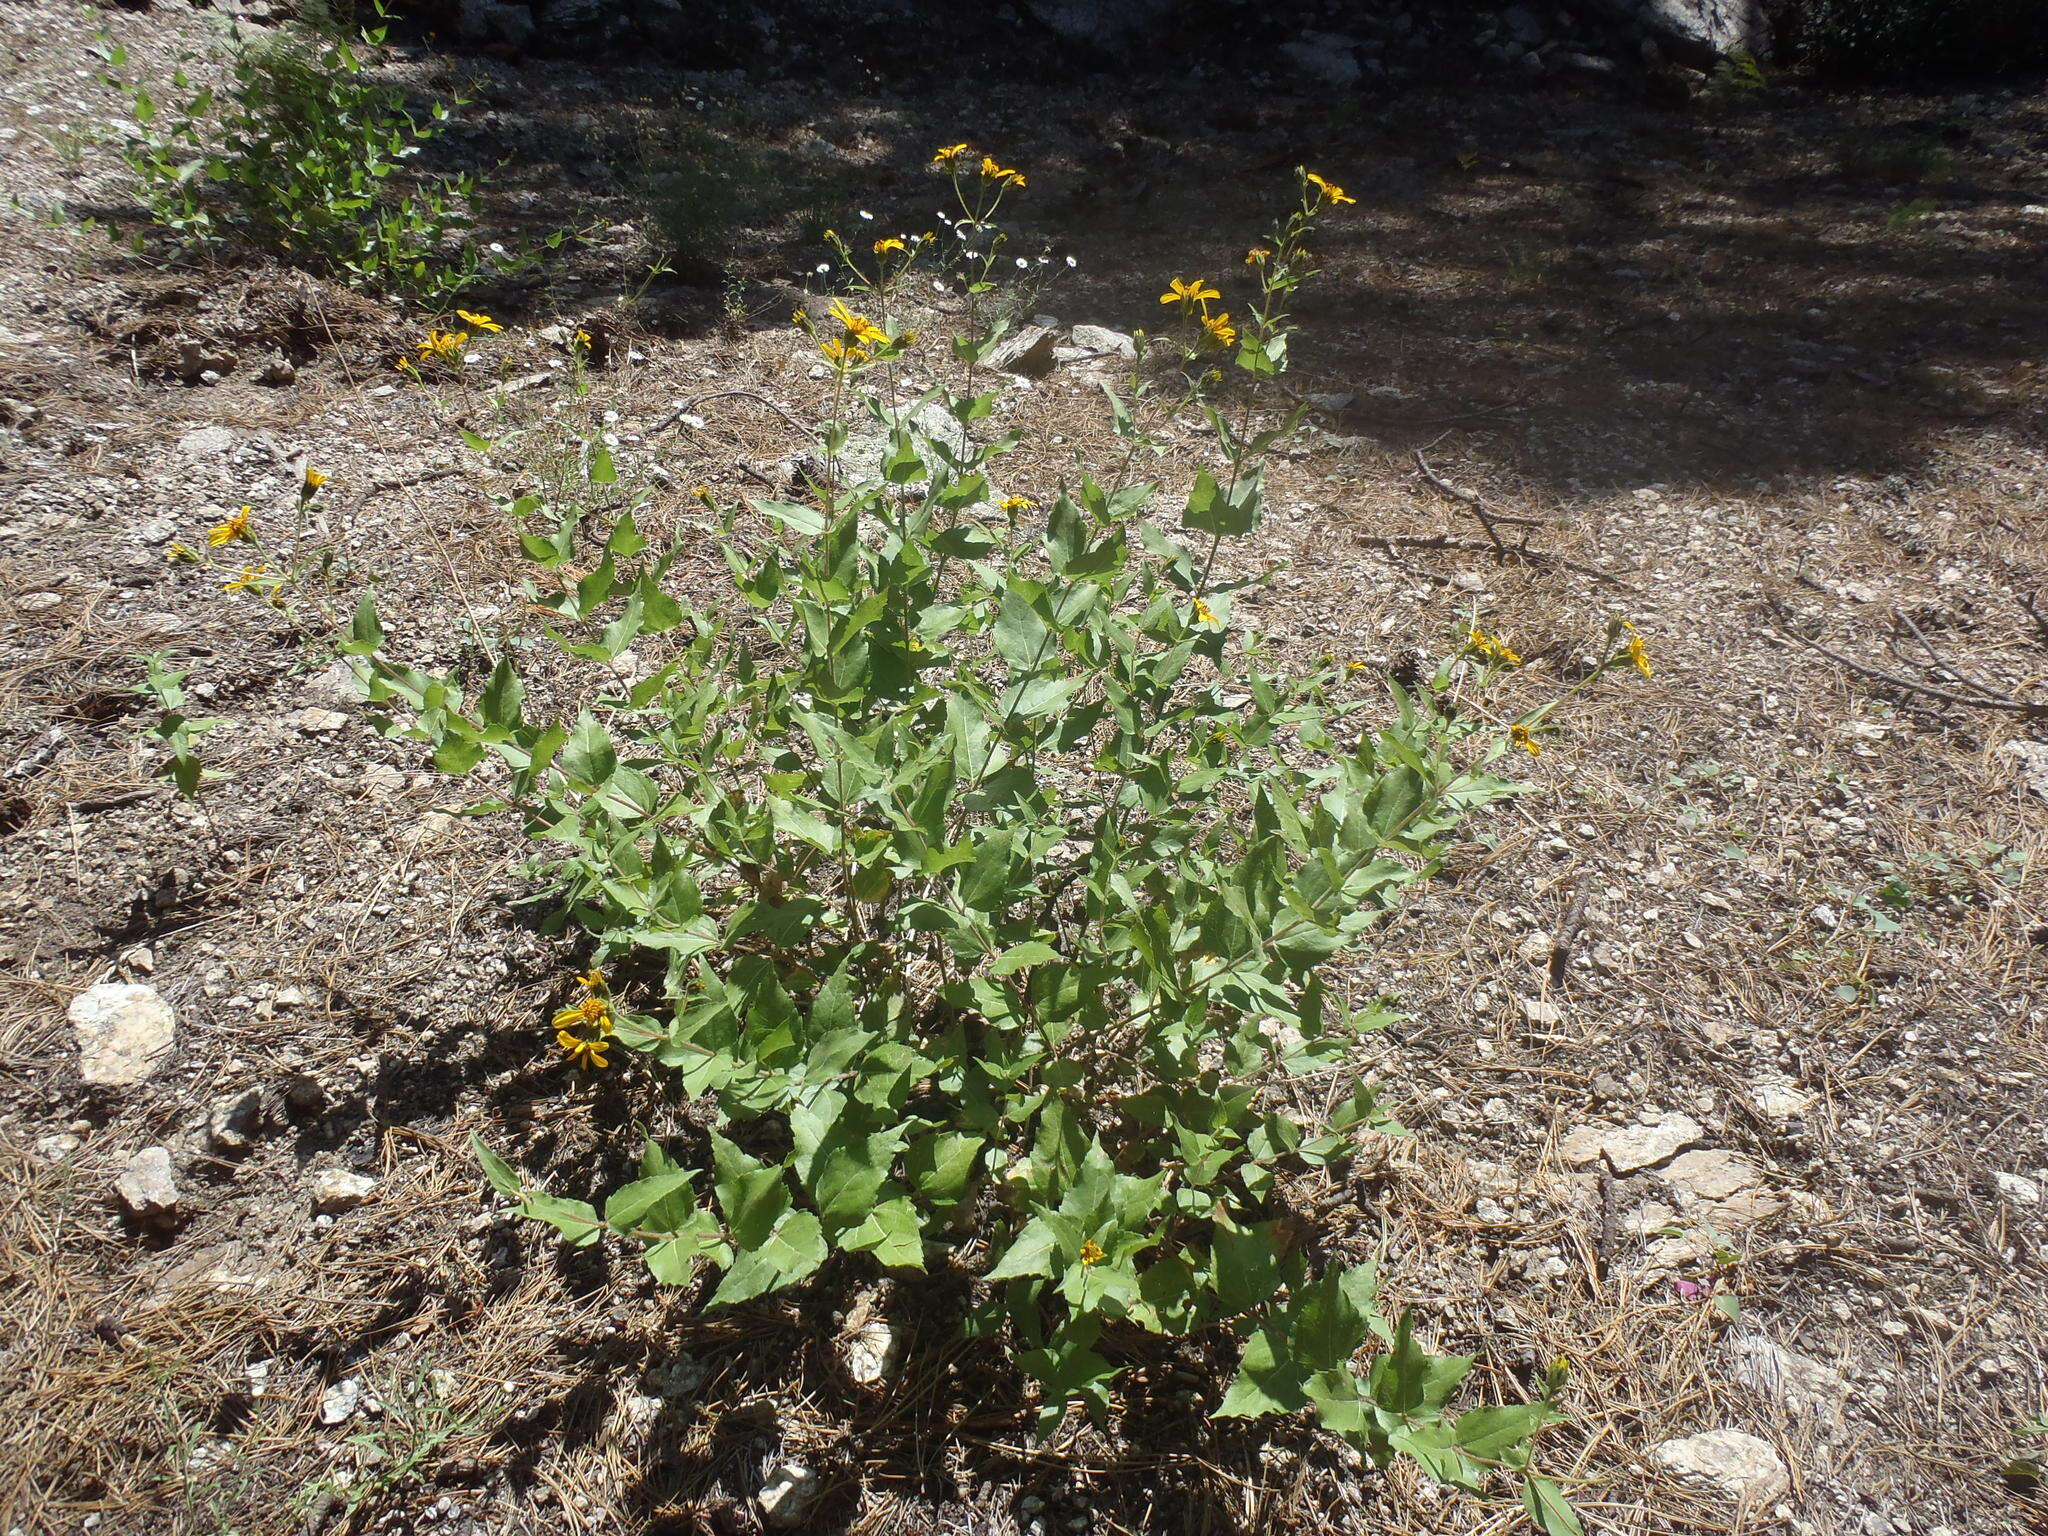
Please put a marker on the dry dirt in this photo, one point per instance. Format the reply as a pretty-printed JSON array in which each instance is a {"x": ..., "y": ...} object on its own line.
[{"x": 1780, "y": 905}]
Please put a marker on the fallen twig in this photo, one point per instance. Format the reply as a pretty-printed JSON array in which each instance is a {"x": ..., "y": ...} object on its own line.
[
  {"x": 1910, "y": 685},
  {"x": 684, "y": 407},
  {"x": 1392, "y": 541}
]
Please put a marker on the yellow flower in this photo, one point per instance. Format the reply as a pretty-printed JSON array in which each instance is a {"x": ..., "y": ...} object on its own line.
[
  {"x": 442, "y": 344},
  {"x": 1219, "y": 331},
  {"x": 252, "y": 578},
  {"x": 1326, "y": 192},
  {"x": 592, "y": 980},
  {"x": 841, "y": 354},
  {"x": 1493, "y": 648},
  {"x": 592, "y": 1012},
  {"x": 1525, "y": 738},
  {"x": 702, "y": 493},
  {"x": 180, "y": 552},
  {"x": 1188, "y": 295},
  {"x": 889, "y": 243},
  {"x": 1355, "y": 666},
  {"x": 314, "y": 480},
  {"x": 950, "y": 156},
  {"x": 860, "y": 330},
  {"x": 1091, "y": 1252},
  {"x": 1204, "y": 613},
  {"x": 1638, "y": 652},
  {"x": 990, "y": 171},
  {"x": 582, "y": 337},
  {"x": 1015, "y": 504},
  {"x": 587, "y": 1054},
  {"x": 1256, "y": 255},
  {"x": 481, "y": 322},
  {"x": 236, "y": 527}
]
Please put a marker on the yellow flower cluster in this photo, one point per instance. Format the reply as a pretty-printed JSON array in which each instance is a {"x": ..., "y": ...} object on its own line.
[
  {"x": 1204, "y": 614},
  {"x": 1193, "y": 296},
  {"x": 1015, "y": 504},
  {"x": 1525, "y": 738},
  {"x": 441, "y": 346},
  {"x": 859, "y": 338},
  {"x": 954, "y": 159},
  {"x": 584, "y": 1029},
  {"x": 1638, "y": 653},
  {"x": 1493, "y": 648}
]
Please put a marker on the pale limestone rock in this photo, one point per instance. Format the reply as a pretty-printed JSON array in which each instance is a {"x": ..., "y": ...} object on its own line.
[
  {"x": 1745, "y": 1468},
  {"x": 125, "y": 1031}
]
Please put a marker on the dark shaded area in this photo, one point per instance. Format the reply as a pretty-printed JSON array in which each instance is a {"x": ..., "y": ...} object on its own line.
[{"x": 1590, "y": 285}]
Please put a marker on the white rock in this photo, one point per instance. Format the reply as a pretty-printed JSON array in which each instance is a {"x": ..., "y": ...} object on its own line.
[
  {"x": 1740, "y": 1465},
  {"x": 2018, "y": 1188},
  {"x": 206, "y": 442},
  {"x": 146, "y": 1186},
  {"x": 1779, "y": 1100},
  {"x": 336, "y": 1190},
  {"x": 233, "y": 1124},
  {"x": 786, "y": 1491},
  {"x": 871, "y": 1351},
  {"x": 1098, "y": 339},
  {"x": 2031, "y": 758},
  {"x": 339, "y": 1402},
  {"x": 1536, "y": 1011},
  {"x": 316, "y": 722},
  {"x": 124, "y": 1032},
  {"x": 1798, "y": 1382},
  {"x": 1630, "y": 1147},
  {"x": 1712, "y": 1175}
]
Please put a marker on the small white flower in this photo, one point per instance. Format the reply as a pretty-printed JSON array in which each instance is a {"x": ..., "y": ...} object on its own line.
[
  {"x": 938, "y": 285},
  {"x": 824, "y": 266},
  {"x": 496, "y": 247},
  {"x": 974, "y": 255},
  {"x": 610, "y": 417},
  {"x": 1023, "y": 264},
  {"x": 865, "y": 214},
  {"x": 1072, "y": 263}
]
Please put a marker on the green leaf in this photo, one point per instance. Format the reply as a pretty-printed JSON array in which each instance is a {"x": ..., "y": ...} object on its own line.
[
  {"x": 1548, "y": 1508},
  {"x": 1033, "y": 1252},
  {"x": 752, "y": 1195},
  {"x": 892, "y": 1233},
  {"x": 496, "y": 1169},
  {"x": 987, "y": 884},
  {"x": 365, "y": 630},
  {"x": 785, "y": 1255},
  {"x": 1246, "y": 1267},
  {"x": 588, "y": 756},
  {"x": 625, "y": 541},
  {"x": 602, "y": 471},
  {"x": 1267, "y": 1380},
  {"x": 503, "y": 694},
  {"x": 1489, "y": 1433},
  {"x": 1020, "y": 957},
  {"x": 632, "y": 1201},
  {"x": 939, "y": 1166}
]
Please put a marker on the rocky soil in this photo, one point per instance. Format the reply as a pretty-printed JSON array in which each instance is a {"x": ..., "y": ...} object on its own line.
[{"x": 1723, "y": 1047}]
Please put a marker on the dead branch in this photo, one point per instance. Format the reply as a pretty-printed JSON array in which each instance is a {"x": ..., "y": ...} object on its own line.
[{"x": 1908, "y": 684}]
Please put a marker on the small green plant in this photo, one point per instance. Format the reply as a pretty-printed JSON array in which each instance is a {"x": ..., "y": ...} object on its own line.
[
  {"x": 981, "y": 875},
  {"x": 305, "y": 157},
  {"x": 1738, "y": 80},
  {"x": 1908, "y": 214},
  {"x": 177, "y": 731}
]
